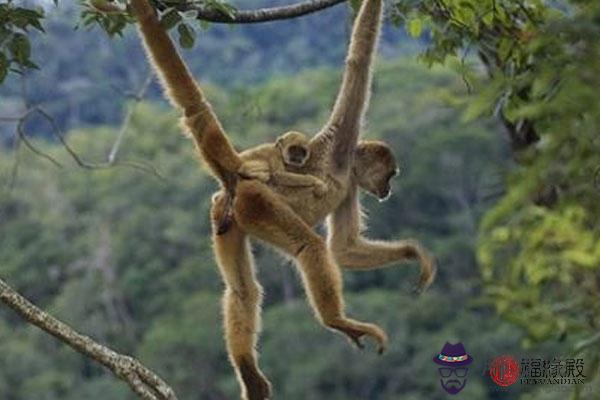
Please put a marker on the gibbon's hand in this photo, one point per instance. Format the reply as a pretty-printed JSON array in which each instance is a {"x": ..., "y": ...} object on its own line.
[
  {"x": 255, "y": 169},
  {"x": 320, "y": 188}
]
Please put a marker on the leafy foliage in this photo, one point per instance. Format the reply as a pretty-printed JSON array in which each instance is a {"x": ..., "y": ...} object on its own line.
[
  {"x": 172, "y": 15},
  {"x": 15, "y": 24},
  {"x": 539, "y": 246}
]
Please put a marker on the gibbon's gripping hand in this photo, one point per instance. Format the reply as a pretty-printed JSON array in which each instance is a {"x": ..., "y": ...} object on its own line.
[
  {"x": 320, "y": 188},
  {"x": 255, "y": 169}
]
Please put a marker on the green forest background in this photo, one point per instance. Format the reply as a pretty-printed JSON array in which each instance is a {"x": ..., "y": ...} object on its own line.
[{"x": 124, "y": 255}]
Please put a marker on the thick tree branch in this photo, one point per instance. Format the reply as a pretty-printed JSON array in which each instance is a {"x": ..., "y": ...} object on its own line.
[
  {"x": 144, "y": 382},
  {"x": 264, "y": 14}
]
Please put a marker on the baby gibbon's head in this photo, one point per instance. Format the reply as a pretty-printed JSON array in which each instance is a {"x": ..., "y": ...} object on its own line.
[
  {"x": 374, "y": 167},
  {"x": 294, "y": 148}
]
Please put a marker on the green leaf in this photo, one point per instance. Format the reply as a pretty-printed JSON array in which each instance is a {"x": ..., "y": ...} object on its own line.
[
  {"x": 23, "y": 18},
  {"x": 20, "y": 48},
  {"x": 186, "y": 35},
  {"x": 415, "y": 27},
  {"x": 223, "y": 8},
  {"x": 170, "y": 19},
  {"x": 505, "y": 48}
]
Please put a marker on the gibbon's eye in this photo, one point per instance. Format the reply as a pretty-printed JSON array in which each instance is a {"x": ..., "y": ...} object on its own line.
[{"x": 297, "y": 154}]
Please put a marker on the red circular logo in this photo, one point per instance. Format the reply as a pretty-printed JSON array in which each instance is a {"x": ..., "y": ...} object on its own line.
[{"x": 504, "y": 370}]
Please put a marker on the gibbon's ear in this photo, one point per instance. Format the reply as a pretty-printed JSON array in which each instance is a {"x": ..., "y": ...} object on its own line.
[{"x": 279, "y": 143}]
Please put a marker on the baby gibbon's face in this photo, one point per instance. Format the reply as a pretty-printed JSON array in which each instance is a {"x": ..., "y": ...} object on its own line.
[{"x": 294, "y": 148}]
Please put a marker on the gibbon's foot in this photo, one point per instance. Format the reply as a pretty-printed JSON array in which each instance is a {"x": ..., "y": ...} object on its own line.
[
  {"x": 355, "y": 330},
  {"x": 428, "y": 272},
  {"x": 257, "y": 386}
]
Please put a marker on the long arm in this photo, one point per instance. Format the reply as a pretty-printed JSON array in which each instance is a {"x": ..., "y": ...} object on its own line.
[
  {"x": 353, "y": 251},
  {"x": 184, "y": 93},
  {"x": 260, "y": 169},
  {"x": 343, "y": 127},
  {"x": 291, "y": 179}
]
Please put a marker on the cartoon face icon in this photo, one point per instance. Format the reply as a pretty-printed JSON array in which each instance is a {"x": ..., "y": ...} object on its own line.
[
  {"x": 453, "y": 379},
  {"x": 453, "y": 361}
]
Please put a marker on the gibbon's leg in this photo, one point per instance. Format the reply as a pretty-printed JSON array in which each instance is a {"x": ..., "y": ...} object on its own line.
[
  {"x": 364, "y": 254},
  {"x": 263, "y": 215},
  {"x": 354, "y": 252},
  {"x": 241, "y": 305}
]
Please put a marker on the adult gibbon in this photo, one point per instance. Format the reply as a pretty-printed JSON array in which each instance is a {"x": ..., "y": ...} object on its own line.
[{"x": 285, "y": 216}]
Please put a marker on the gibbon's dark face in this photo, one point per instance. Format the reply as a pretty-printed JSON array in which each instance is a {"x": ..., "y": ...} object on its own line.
[
  {"x": 297, "y": 155},
  {"x": 294, "y": 148},
  {"x": 374, "y": 168}
]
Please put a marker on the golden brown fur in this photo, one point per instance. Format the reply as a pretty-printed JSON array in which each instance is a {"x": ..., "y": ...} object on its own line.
[
  {"x": 268, "y": 163},
  {"x": 282, "y": 215}
]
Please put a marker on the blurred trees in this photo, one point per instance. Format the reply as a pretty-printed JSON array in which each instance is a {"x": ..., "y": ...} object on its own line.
[
  {"x": 540, "y": 245},
  {"x": 85, "y": 76},
  {"x": 126, "y": 257},
  {"x": 527, "y": 75}
]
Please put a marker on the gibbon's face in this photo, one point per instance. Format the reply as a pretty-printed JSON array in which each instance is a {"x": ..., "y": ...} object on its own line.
[
  {"x": 294, "y": 148},
  {"x": 374, "y": 168}
]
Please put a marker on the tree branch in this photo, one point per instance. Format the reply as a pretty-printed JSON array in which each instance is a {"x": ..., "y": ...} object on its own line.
[
  {"x": 263, "y": 14},
  {"x": 112, "y": 160},
  {"x": 144, "y": 382}
]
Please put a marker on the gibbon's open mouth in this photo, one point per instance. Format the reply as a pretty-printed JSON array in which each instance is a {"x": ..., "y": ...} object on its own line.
[{"x": 383, "y": 196}]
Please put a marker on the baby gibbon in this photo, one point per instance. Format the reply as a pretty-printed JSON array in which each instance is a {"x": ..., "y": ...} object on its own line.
[{"x": 268, "y": 163}]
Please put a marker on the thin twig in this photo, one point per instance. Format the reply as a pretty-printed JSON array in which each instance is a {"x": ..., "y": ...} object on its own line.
[
  {"x": 137, "y": 97},
  {"x": 23, "y": 137}
]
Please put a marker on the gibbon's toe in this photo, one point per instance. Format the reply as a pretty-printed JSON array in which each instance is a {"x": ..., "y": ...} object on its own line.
[
  {"x": 355, "y": 331},
  {"x": 381, "y": 338},
  {"x": 428, "y": 273},
  {"x": 356, "y": 341}
]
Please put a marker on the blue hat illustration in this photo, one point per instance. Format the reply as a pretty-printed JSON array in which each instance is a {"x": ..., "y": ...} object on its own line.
[{"x": 453, "y": 355}]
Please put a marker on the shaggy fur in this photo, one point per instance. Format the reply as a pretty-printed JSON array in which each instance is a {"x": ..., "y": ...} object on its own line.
[{"x": 284, "y": 216}]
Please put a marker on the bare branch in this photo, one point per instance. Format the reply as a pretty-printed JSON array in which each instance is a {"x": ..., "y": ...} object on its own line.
[
  {"x": 260, "y": 15},
  {"x": 144, "y": 382},
  {"x": 21, "y": 136},
  {"x": 137, "y": 97}
]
